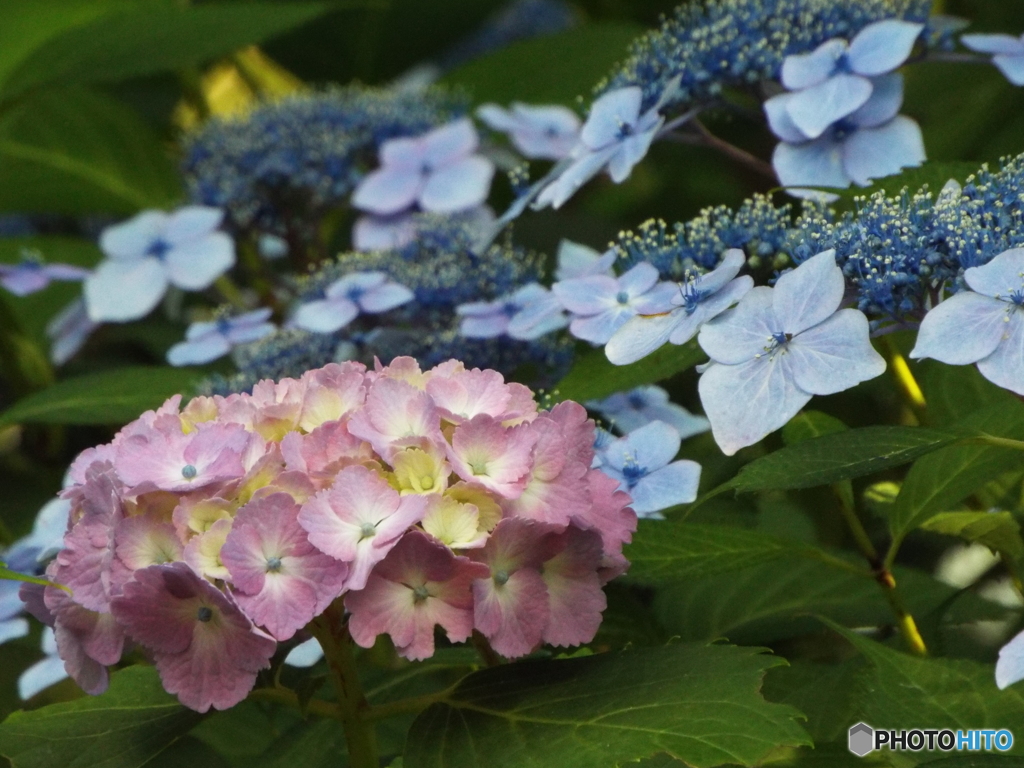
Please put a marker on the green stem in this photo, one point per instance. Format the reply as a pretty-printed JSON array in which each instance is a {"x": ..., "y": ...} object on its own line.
[
  {"x": 412, "y": 705},
  {"x": 880, "y": 570},
  {"x": 231, "y": 293},
  {"x": 281, "y": 695},
  {"x": 332, "y": 633}
]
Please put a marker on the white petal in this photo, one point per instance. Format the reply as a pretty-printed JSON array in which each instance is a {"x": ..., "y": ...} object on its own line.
[
  {"x": 131, "y": 239},
  {"x": 587, "y": 295},
  {"x": 776, "y": 109},
  {"x": 608, "y": 114},
  {"x": 963, "y": 329},
  {"x": 41, "y": 676},
  {"x": 882, "y": 46},
  {"x": 639, "y": 279},
  {"x": 199, "y": 351},
  {"x": 1012, "y": 67},
  {"x": 450, "y": 142},
  {"x": 124, "y": 290},
  {"x": 871, "y": 153},
  {"x": 730, "y": 265},
  {"x": 1000, "y": 277},
  {"x": 816, "y": 108},
  {"x": 1010, "y": 665},
  {"x": 641, "y": 335},
  {"x": 810, "y": 293},
  {"x": 803, "y": 70},
  {"x": 814, "y": 164},
  {"x": 385, "y": 297},
  {"x": 1005, "y": 366},
  {"x": 194, "y": 265},
  {"x": 326, "y": 315},
  {"x": 667, "y": 487},
  {"x": 884, "y": 104},
  {"x": 743, "y": 332},
  {"x": 460, "y": 185},
  {"x": 1008, "y": 45},
  {"x": 388, "y": 190},
  {"x": 748, "y": 401},
  {"x": 191, "y": 223},
  {"x": 598, "y": 329},
  {"x": 835, "y": 355}
]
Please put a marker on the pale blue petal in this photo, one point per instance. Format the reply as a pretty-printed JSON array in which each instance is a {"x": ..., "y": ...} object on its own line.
[
  {"x": 65, "y": 272},
  {"x": 816, "y": 108},
  {"x": 667, "y": 487},
  {"x": 1005, "y": 366},
  {"x": 744, "y": 332},
  {"x": 803, "y": 70},
  {"x": 462, "y": 184},
  {"x": 587, "y": 295},
  {"x": 272, "y": 247},
  {"x": 404, "y": 154},
  {"x": 630, "y": 152},
  {"x": 1008, "y": 45},
  {"x": 132, "y": 239},
  {"x": 497, "y": 118},
  {"x": 776, "y": 109},
  {"x": 883, "y": 46},
  {"x": 575, "y": 176},
  {"x": 484, "y": 326},
  {"x": 68, "y": 331},
  {"x": 192, "y": 223},
  {"x": 805, "y": 296},
  {"x": 545, "y": 132},
  {"x": 450, "y": 142},
  {"x": 871, "y": 153},
  {"x": 40, "y": 676},
  {"x": 638, "y": 280},
  {"x": 1000, "y": 277},
  {"x": 355, "y": 282},
  {"x": 253, "y": 318},
  {"x": 22, "y": 281},
  {"x": 608, "y": 114},
  {"x": 965, "y": 328},
  {"x": 814, "y": 164},
  {"x": 249, "y": 333},
  {"x": 884, "y": 104},
  {"x": 119, "y": 291},
  {"x": 385, "y": 297},
  {"x": 326, "y": 315},
  {"x": 660, "y": 298},
  {"x": 49, "y": 528},
  {"x": 651, "y": 447},
  {"x": 730, "y": 265},
  {"x": 641, "y": 335},
  {"x": 598, "y": 329},
  {"x": 12, "y": 629},
  {"x": 1010, "y": 665},
  {"x": 1012, "y": 67},
  {"x": 576, "y": 260},
  {"x": 388, "y": 190},
  {"x": 382, "y": 233},
  {"x": 684, "y": 422},
  {"x": 199, "y": 351},
  {"x": 835, "y": 355},
  {"x": 541, "y": 316},
  {"x": 746, "y": 402},
  {"x": 480, "y": 308},
  {"x": 305, "y": 654},
  {"x": 194, "y": 265}
]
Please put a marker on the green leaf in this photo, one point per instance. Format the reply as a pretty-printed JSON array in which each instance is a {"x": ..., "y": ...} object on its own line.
[
  {"x": 809, "y": 424},
  {"x": 126, "y": 727},
  {"x": 551, "y": 68},
  {"x": 978, "y": 761},
  {"x": 669, "y": 552},
  {"x": 700, "y": 704},
  {"x": 998, "y": 531},
  {"x": 947, "y": 693},
  {"x": 111, "y": 397},
  {"x": 937, "y": 482},
  {"x": 823, "y": 692},
  {"x": 77, "y": 151},
  {"x": 592, "y": 377},
  {"x": 143, "y": 38},
  {"x": 954, "y": 391},
  {"x": 839, "y": 456},
  {"x": 311, "y": 744}
]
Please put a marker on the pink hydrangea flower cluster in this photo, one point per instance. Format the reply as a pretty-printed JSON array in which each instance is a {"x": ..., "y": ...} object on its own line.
[{"x": 206, "y": 535}]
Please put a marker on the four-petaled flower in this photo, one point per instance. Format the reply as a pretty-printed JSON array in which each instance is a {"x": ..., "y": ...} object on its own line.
[
  {"x": 984, "y": 325},
  {"x": 526, "y": 314},
  {"x": 628, "y": 411},
  {"x": 345, "y": 298},
  {"x": 1007, "y": 53},
  {"x": 439, "y": 171},
  {"x": 544, "y": 132},
  {"x": 208, "y": 341},
  {"x": 779, "y": 347},
  {"x": 151, "y": 251}
]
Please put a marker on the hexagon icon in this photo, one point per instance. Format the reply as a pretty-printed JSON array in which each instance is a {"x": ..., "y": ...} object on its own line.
[{"x": 861, "y": 739}]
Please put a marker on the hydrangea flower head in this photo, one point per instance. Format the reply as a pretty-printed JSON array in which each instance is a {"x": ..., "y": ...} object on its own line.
[
  {"x": 421, "y": 498},
  {"x": 779, "y": 347},
  {"x": 439, "y": 171},
  {"x": 152, "y": 251},
  {"x": 983, "y": 325},
  {"x": 207, "y": 341},
  {"x": 545, "y": 132}
]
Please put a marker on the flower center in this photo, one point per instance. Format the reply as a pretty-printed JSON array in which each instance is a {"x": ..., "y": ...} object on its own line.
[
  {"x": 632, "y": 472},
  {"x": 204, "y": 614},
  {"x": 420, "y": 594},
  {"x": 189, "y": 472},
  {"x": 690, "y": 296},
  {"x": 367, "y": 530},
  {"x": 501, "y": 578},
  {"x": 158, "y": 248},
  {"x": 426, "y": 482},
  {"x": 622, "y": 297},
  {"x": 273, "y": 564}
]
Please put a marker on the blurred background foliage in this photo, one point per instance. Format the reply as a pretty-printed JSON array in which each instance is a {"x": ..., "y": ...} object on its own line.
[{"x": 95, "y": 95}]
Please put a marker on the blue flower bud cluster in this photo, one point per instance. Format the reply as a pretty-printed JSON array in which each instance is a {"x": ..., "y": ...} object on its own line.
[
  {"x": 897, "y": 251},
  {"x": 292, "y": 160},
  {"x": 719, "y": 44}
]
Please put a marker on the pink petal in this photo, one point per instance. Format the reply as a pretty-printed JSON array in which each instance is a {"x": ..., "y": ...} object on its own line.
[{"x": 574, "y": 589}]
